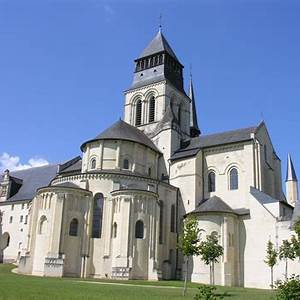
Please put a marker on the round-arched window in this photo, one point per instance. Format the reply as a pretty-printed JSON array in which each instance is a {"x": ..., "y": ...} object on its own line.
[
  {"x": 139, "y": 229},
  {"x": 234, "y": 179},
  {"x": 211, "y": 182},
  {"x": 93, "y": 163},
  {"x": 43, "y": 225},
  {"x": 73, "y": 230}
]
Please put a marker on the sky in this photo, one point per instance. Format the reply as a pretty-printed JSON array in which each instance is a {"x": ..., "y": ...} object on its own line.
[{"x": 64, "y": 65}]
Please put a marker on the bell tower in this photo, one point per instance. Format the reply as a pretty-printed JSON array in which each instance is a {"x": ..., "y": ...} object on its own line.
[{"x": 156, "y": 102}]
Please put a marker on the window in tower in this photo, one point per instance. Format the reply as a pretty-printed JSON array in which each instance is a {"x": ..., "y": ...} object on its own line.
[
  {"x": 126, "y": 164},
  {"x": 139, "y": 229},
  {"x": 211, "y": 182},
  {"x": 73, "y": 229},
  {"x": 93, "y": 163},
  {"x": 138, "y": 113},
  {"x": 234, "y": 179},
  {"x": 152, "y": 109}
]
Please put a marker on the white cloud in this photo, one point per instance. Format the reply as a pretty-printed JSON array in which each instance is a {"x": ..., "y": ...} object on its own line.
[{"x": 13, "y": 163}]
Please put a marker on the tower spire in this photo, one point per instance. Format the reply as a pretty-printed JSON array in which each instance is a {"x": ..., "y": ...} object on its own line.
[
  {"x": 290, "y": 172},
  {"x": 291, "y": 183},
  {"x": 194, "y": 128}
]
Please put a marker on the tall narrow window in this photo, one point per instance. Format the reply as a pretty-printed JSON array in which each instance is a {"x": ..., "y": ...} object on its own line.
[
  {"x": 97, "y": 215},
  {"x": 73, "y": 230},
  {"x": 161, "y": 221},
  {"x": 234, "y": 179},
  {"x": 93, "y": 163},
  {"x": 139, "y": 229},
  {"x": 152, "y": 109},
  {"x": 211, "y": 182},
  {"x": 138, "y": 113},
  {"x": 115, "y": 230},
  {"x": 43, "y": 225},
  {"x": 126, "y": 164},
  {"x": 172, "y": 218}
]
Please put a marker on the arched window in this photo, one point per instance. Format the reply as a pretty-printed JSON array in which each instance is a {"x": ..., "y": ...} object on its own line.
[
  {"x": 97, "y": 215},
  {"x": 172, "y": 218},
  {"x": 139, "y": 229},
  {"x": 152, "y": 109},
  {"x": 234, "y": 179},
  {"x": 161, "y": 221},
  {"x": 126, "y": 164},
  {"x": 43, "y": 225},
  {"x": 211, "y": 182},
  {"x": 73, "y": 230},
  {"x": 115, "y": 230},
  {"x": 138, "y": 113},
  {"x": 93, "y": 163}
]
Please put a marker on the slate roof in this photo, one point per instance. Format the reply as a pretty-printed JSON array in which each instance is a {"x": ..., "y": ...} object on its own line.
[
  {"x": 290, "y": 171},
  {"x": 158, "y": 44},
  {"x": 32, "y": 179},
  {"x": 73, "y": 168},
  {"x": 194, "y": 127},
  {"x": 205, "y": 141},
  {"x": 124, "y": 131},
  {"x": 213, "y": 204}
]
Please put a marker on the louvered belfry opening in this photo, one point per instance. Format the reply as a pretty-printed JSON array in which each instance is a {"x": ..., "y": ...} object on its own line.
[
  {"x": 138, "y": 116},
  {"x": 152, "y": 109}
]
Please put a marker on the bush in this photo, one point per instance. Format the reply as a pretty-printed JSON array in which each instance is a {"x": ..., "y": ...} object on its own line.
[
  {"x": 207, "y": 292},
  {"x": 289, "y": 289}
]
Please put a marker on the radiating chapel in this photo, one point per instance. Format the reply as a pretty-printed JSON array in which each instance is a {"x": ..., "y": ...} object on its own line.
[{"x": 116, "y": 210}]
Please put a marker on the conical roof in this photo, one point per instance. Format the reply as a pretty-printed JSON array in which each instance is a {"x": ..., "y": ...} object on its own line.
[
  {"x": 124, "y": 131},
  {"x": 290, "y": 172},
  {"x": 194, "y": 128},
  {"x": 158, "y": 44}
]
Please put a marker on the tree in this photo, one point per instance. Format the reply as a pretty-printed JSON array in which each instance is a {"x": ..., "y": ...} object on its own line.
[
  {"x": 210, "y": 251},
  {"x": 296, "y": 239},
  {"x": 189, "y": 242},
  {"x": 286, "y": 252},
  {"x": 271, "y": 258}
]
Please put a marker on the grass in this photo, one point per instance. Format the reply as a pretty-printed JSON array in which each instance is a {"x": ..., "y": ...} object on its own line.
[{"x": 19, "y": 287}]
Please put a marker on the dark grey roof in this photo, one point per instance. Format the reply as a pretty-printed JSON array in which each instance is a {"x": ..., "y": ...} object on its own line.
[
  {"x": 158, "y": 44},
  {"x": 32, "y": 179},
  {"x": 194, "y": 128},
  {"x": 67, "y": 184},
  {"x": 290, "y": 171},
  {"x": 205, "y": 141},
  {"x": 76, "y": 166},
  {"x": 213, "y": 204},
  {"x": 124, "y": 131}
]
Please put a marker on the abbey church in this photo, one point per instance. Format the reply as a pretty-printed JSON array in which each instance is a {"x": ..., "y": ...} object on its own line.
[{"x": 116, "y": 211}]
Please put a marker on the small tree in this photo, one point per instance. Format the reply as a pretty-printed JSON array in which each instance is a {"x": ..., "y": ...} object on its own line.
[
  {"x": 296, "y": 239},
  {"x": 286, "y": 252},
  {"x": 210, "y": 251},
  {"x": 271, "y": 258},
  {"x": 189, "y": 242}
]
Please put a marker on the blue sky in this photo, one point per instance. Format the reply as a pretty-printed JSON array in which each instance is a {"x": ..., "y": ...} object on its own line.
[{"x": 65, "y": 64}]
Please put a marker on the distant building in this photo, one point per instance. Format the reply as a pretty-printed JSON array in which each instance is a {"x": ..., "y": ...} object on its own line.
[{"x": 116, "y": 211}]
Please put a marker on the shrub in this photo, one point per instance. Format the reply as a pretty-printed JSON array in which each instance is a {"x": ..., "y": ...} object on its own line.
[
  {"x": 288, "y": 289},
  {"x": 207, "y": 292}
]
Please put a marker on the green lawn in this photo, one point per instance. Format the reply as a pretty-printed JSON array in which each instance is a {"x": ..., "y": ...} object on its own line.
[{"x": 18, "y": 287}]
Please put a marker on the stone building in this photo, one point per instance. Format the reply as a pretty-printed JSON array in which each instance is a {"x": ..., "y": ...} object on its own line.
[{"x": 116, "y": 210}]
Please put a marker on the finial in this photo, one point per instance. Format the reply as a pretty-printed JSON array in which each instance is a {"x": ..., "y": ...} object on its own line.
[{"x": 160, "y": 23}]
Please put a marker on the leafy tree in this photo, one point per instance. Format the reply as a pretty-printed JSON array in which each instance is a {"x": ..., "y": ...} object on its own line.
[
  {"x": 297, "y": 227},
  {"x": 296, "y": 239},
  {"x": 271, "y": 258},
  {"x": 189, "y": 242},
  {"x": 286, "y": 252},
  {"x": 210, "y": 251},
  {"x": 288, "y": 289}
]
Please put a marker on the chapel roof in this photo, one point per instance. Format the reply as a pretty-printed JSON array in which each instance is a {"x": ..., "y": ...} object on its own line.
[
  {"x": 124, "y": 131},
  {"x": 205, "y": 141},
  {"x": 32, "y": 179},
  {"x": 217, "y": 205}
]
